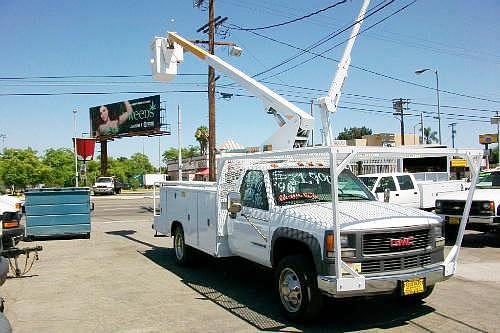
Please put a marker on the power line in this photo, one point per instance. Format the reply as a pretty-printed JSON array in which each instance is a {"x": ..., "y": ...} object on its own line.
[
  {"x": 386, "y": 76},
  {"x": 102, "y": 93},
  {"x": 87, "y": 76},
  {"x": 346, "y": 40},
  {"x": 294, "y": 20},
  {"x": 321, "y": 41}
]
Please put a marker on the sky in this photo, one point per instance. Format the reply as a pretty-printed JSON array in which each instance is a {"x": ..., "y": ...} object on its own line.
[{"x": 83, "y": 42}]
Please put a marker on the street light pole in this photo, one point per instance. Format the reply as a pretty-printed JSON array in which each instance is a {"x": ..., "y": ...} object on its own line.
[
  {"x": 74, "y": 147},
  {"x": 420, "y": 71},
  {"x": 439, "y": 112}
]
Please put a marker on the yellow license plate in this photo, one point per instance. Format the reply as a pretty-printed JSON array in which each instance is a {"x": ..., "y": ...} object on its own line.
[
  {"x": 411, "y": 287},
  {"x": 454, "y": 220}
]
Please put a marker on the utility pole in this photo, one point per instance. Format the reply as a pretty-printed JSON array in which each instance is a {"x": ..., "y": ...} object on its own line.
[
  {"x": 422, "y": 127},
  {"x": 312, "y": 131},
  {"x": 179, "y": 142},
  {"x": 211, "y": 94},
  {"x": 399, "y": 105},
  {"x": 3, "y": 136},
  {"x": 453, "y": 132}
]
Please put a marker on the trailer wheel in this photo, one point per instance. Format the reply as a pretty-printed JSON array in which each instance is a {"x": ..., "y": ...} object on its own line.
[
  {"x": 297, "y": 288},
  {"x": 182, "y": 251}
]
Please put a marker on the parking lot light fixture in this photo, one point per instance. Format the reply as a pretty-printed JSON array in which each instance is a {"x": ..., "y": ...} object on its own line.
[{"x": 421, "y": 71}]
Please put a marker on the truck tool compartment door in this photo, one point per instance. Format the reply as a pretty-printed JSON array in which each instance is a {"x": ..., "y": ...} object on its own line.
[{"x": 250, "y": 236}]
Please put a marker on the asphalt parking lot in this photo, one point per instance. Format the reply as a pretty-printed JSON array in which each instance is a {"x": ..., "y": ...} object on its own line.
[{"x": 123, "y": 279}]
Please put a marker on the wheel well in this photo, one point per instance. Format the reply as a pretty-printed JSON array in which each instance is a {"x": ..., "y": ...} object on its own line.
[
  {"x": 284, "y": 247},
  {"x": 174, "y": 226}
]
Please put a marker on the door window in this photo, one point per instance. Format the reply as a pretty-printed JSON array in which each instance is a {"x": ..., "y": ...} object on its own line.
[
  {"x": 405, "y": 182},
  {"x": 386, "y": 182},
  {"x": 253, "y": 190}
]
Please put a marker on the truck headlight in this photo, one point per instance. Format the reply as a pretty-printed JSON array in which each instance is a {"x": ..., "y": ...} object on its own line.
[
  {"x": 330, "y": 243},
  {"x": 488, "y": 205},
  {"x": 437, "y": 230}
]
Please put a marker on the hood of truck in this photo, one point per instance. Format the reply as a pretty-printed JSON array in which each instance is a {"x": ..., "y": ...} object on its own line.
[
  {"x": 359, "y": 215},
  {"x": 480, "y": 194}
]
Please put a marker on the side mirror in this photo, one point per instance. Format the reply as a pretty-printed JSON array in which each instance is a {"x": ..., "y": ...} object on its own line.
[
  {"x": 233, "y": 204},
  {"x": 387, "y": 195}
]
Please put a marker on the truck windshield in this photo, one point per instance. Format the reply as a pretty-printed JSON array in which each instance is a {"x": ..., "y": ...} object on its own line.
[
  {"x": 104, "y": 180},
  {"x": 489, "y": 180},
  {"x": 369, "y": 181},
  {"x": 304, "y": 185}
]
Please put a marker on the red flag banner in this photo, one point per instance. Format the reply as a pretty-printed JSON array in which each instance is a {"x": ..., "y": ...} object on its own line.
[{"x": 85, "y": 148}]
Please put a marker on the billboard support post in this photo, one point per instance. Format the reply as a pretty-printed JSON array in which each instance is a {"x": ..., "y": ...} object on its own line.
[{"x": 104, "y": 158}]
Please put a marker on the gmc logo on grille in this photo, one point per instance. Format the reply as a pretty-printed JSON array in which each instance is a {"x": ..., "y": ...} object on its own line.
[{"x": 402, "y": 242}]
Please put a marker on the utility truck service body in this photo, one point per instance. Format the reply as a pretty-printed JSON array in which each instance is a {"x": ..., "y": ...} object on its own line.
[
  {"x": 305, "y": 215},
  {"x": 405, "y": 190}
]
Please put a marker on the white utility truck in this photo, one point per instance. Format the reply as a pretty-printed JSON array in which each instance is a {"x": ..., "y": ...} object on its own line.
[
  {"x": 302, "y": 212},
  {"x": 485, "y": 210},
  {"x": 403, "y": 189},
  {"x": 305, "y": 215}
]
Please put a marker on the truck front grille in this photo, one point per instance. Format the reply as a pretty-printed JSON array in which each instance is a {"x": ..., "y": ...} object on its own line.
[
  {"x": 456, "y": 207},
  {"x": 395, "y": 264},
  {"x": 391, "y": 242}
]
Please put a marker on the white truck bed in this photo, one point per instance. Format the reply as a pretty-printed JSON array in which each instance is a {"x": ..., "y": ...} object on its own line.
[{"x": 430, "y": 191}]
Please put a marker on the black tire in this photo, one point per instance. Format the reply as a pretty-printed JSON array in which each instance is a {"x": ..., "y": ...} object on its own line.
[
  {"x": 304, "y": 302},
  {"x": 450, "y": 233},
  {"x": 183, "y": 253}
]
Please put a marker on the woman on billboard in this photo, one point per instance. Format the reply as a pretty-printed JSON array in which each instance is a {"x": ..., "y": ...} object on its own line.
[{"x": 110, "y": 126}]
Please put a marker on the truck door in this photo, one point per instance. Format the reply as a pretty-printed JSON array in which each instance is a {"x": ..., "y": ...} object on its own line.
[
  {"x": 408, "y": 193},
  {"x": 387, "y": 182},
  {"x": 250, "y": 232}
]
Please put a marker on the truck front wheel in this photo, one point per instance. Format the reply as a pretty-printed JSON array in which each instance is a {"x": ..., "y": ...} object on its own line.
[
  {"x": 297, "y": 288},
  {"x": 182, "y": 251}
]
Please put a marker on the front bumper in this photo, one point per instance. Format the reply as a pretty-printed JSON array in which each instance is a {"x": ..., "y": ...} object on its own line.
[
  {"x": 382, "y": 284},
  {"x": 103, "y": 190}
]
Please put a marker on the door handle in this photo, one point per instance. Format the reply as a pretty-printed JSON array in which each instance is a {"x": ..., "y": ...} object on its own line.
[
  {"x": 397, "y": 194},
  {"x": 415, "y": 192}
]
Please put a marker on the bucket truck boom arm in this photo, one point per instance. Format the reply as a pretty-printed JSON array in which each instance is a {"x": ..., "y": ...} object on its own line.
[
  {"x": 295, "y": 124},
  {"x": 329, "y": 104}
]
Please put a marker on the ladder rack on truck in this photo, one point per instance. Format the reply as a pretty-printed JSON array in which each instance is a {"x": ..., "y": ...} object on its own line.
[{"x": 218, "y": 219}]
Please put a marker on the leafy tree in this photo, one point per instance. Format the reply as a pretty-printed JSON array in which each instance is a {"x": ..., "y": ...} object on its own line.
[
  {"x": 430, "y": 136},
  {"x": 494, "y": 155},
  {"x": 201, "y": 135},
  {"x": 22, "y": 168},
  {"x": 354, "y": 133},
  {"x": 173, "y": 153},
  {"x": 61, "y": 163}
]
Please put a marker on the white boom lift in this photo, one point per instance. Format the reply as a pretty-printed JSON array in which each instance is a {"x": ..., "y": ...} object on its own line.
[
  {"x": 295, "y": 124},
  {"x": 329, "y": 104}
]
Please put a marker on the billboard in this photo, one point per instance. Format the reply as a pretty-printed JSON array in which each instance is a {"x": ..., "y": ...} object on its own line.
[{"x": 128, "y": 118}]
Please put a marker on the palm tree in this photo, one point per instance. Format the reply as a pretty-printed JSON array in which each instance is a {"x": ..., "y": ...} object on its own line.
[
  {"x": 201, "y": 135},
  {"x": 430, "y": 136}
]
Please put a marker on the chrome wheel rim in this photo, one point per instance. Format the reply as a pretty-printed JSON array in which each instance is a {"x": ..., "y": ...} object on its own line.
[
  {"x": 179, "y": 246},
  {"x": 290, "y": 290}
]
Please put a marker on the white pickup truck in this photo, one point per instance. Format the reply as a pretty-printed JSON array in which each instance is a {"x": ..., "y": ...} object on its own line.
[
  {"x": 405, "y": 190},
  {"x": 485, "y": 209},
  {"x": 277, "y": 210}
]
